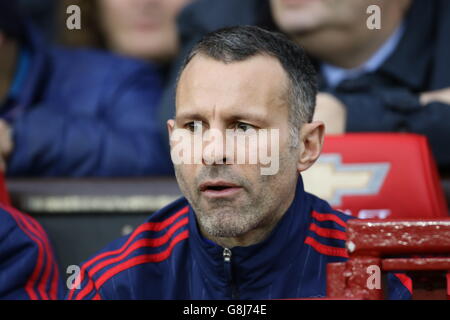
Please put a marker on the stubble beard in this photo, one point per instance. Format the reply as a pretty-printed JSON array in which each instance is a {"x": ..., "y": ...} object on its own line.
[
  {"x": 226, "y": 217},
  {"x": 231, "y": 218}
]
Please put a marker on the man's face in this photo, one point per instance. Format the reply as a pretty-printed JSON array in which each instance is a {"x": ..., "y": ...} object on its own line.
[
  {"x": 233, "y": 199},
  {"x": 299, "y": 16},
  {"x": 142, "y": 28}
]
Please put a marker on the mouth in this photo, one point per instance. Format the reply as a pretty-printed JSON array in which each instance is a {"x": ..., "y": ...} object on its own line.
[
  {"x": 219, "y": 189},
  {"x": 295, "y": 2}
]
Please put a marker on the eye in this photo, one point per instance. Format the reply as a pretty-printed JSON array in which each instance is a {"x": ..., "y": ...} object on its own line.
[
  {"x": 244, "y": 126},
  {"x": 193, "y": 126}
]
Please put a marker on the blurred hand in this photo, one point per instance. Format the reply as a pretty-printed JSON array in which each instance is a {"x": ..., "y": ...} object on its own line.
[
  {"x": 6, "y": 143},
  {"x": 442, "y": 95},
  {"x": 332, "y": 112}
]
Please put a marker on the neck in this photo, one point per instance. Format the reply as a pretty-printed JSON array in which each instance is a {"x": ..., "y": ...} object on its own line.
[
  {"x": 8, "y": 56},
  {"x": 256, "y": 235},
  {"x": 346, "y": 47}
]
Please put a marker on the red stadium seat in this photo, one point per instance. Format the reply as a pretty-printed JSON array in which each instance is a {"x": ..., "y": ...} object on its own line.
[{"x": 378, "y": 175}]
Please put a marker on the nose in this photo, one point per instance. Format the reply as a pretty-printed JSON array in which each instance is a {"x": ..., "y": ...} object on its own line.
[{"x": 214, "y": 149}]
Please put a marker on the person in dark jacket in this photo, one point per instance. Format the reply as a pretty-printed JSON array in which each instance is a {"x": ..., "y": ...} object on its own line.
[
  {"x": 75, "y": 112},
  {"x": 392, "y": 79},
  {"x": 239, "y": 232}
]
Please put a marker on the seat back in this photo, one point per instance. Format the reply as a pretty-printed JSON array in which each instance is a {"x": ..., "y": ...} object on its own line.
[{"x": 378, "y": 175}]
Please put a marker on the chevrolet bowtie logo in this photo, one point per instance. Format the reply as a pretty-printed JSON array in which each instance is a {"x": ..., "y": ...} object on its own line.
[{"x": 330, "y": 179}]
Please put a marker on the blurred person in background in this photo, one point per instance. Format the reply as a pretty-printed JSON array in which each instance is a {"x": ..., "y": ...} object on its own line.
[
  {"x": 74, "y": 112},
  {"x": 392, "y": 79},
  {"x": 143, "y": 29}
]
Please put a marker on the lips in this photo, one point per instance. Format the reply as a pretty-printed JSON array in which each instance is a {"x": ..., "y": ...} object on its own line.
[{"x": 217, "y": 189}]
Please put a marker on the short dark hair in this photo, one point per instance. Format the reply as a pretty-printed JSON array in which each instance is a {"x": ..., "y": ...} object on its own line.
[{"x": 242, "y": 42}]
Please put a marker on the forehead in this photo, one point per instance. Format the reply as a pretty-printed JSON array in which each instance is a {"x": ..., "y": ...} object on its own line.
[{"x": 258, "y": 84}]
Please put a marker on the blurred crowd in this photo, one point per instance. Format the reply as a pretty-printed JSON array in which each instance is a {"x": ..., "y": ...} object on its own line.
[{"x": 94, "y": 101}]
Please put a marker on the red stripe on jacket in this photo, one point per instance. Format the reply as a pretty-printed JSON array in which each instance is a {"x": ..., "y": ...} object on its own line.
[
  {"x": 55, "y": 277},
  {"x": 328, "y": 233},
  {"x": 155, "y": 257},
  {"x": 149, "y": 226},
  {"x": 329, "y": 217},
  {"x": 141, "y": 259},
  {"x": 405, "y": 280},
  {"x": 325, "y": 249},
  {"x": 29, "y": 228},
  {"x": 156, "y": 242}
]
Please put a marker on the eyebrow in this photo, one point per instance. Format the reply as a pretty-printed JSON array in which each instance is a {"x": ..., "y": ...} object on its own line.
[
  {"x": 248, "y": 116},
  {"x": 190, "y": 115},
  {"x": 234, "y": 117}
]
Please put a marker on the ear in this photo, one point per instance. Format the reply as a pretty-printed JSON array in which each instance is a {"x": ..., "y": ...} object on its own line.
[
  {"x": 311, "y": 142},
  {"x": 170, "y": 127}
]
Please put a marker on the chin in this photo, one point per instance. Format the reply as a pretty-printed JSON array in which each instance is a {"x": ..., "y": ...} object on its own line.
[
  {"x": 302, "y": 20},
  {"x": 224, "y": 223},
  {"x": 300, "y": 25},
  {"x": 221, "y": 231}
]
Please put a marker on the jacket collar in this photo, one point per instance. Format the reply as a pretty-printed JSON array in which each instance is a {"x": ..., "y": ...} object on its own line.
[{"x": 254, "y": 266}]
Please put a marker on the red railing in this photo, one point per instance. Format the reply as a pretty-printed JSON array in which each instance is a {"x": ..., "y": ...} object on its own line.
[{"x": 419, "y": 247}]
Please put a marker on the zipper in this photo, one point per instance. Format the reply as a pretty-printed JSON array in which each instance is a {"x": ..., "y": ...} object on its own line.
[{"x": 228, "y": 273}]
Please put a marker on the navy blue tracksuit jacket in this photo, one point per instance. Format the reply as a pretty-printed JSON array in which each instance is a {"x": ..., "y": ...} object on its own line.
[
  {"x": 167, "y": 258},
  {"x": 28, "y": 268}
]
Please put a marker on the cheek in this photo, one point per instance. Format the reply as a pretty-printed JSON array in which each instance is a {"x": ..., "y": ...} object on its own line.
[
  {"x": 285, "y": 136},
  {"x": 285, "y": 179},
  {"x": 185, "y": 180},
  {"x": 186, "y": 173},
  {"x": 345, "y": 10},
  {"x": 175, "y": 6},
  {"x": 115, "y": 14}
]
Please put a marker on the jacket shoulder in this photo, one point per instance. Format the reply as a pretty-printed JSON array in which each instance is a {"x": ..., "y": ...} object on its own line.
[
  {"x": 327, "y": 229},
  {"x": 150, "y": 244},
  {"x": 97, "y": 60},
  {"x": 75, "y": 72}
]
